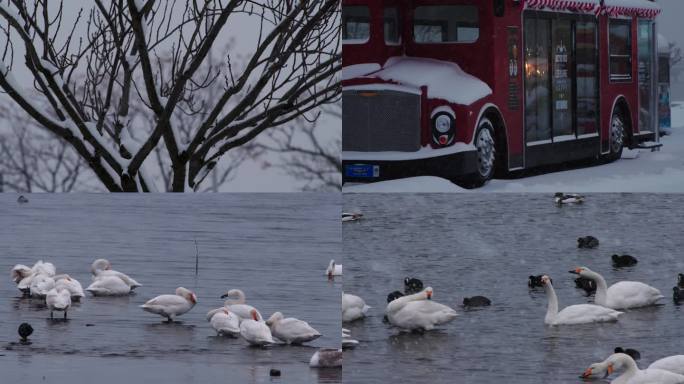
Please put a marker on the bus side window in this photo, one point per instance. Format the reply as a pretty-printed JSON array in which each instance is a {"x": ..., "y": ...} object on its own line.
[{"x": 499, "y": 8}]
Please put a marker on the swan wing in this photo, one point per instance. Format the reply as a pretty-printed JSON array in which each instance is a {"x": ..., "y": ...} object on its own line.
[
  {"x": 124, "y": 277},
  {"x": 349, "y": 301},
  {"x": 228, "y": 324},
  {"x": 243, "y": 311},
  {"x": 72, "y": 286},
  {"x": 108, "y": 286},
  {"x": 294, "y": 331},
  {"x": 256, "y": 332},
  {"x": 424, "y": 314},
  {"x": 167, "y": 305},
  {"x": 586, "y": 313},
  {"x": 673, "y": 364},
  {"x": 632, "y": 294},
  {"x": 656, "y": 376}
]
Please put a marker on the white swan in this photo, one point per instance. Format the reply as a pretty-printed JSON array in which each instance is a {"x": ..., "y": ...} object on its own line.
[
  {"x": 102, "y": 268},
  {"x": 418, "y": 311},
  {"x": 170, "y": 306},
  {"x": 326, "y": 358},
  {"x": 236, "y": 304},
  {"x": 255, "y": 331},
  {"x": 24, "y": 276},
  {"x": 631, "y": 373},
  {"x": 58, "y": 300},
  {"x": 40, "y": 285},
  {"x": 226, "y": 323},
  {"x": 109, "y": 286},
  {"x": 71, "y": 285},
  {"x": 291, "y": 330},
  {"x": 621, "y": 295},
  {"x": 353, "y": 308},
  {"x": 574, "y": 314},
  {"x": 333, "y": 269},
  {"x": 673, "y": 364}
]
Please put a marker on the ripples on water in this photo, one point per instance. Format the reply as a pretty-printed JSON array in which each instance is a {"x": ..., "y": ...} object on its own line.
[
  {"x": 274, "y": 247},
  {"x": 466, "y": 245}
]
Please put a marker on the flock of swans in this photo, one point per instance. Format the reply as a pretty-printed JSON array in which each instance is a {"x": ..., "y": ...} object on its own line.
[
  {"x": 234, "y": 319},
  {"x": 610, "y": 303}
]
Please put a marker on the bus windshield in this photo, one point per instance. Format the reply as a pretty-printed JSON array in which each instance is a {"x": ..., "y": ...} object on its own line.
[{"x": 446, "y": 24}]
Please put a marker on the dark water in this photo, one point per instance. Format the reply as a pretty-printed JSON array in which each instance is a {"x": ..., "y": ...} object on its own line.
[
  {"x": 464, "y": 245},
  {"x": 273, "y": 247}
]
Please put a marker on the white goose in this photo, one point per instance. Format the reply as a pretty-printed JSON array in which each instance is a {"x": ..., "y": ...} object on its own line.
[
  {"x": 71, "y": 285},
  {"x": 333, "y": 270},
  {"x": 631, "y": 373},
  {"x": 353, "y": 308},
  {"x": 225, "y": 323},
  {"x": 574, "y": 314},
  {"x": 58, "y": 300},
  {"x": 326, "y": 358},
  {"x": 621, "y": 295},
  {"x": 418, "y": 311},
  {"x": 291, "y": 330},
  {"x": 107, "y": 282},
  {"x": 170, "y": 306},
  {"x": 673, "y": 364},
  {"x": 255, "y": 331},
  {"x": 236, "y": 304}
]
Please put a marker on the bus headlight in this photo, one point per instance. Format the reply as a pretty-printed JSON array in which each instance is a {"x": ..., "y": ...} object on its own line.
[{"x": 443, "y": 129}]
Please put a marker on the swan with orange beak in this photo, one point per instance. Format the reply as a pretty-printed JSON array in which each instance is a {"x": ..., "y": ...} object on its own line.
[{"x": 631, "y": 374}]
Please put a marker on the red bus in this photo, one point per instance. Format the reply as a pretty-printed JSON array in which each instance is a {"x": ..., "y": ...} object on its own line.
[{"x": 462, "y": 89}]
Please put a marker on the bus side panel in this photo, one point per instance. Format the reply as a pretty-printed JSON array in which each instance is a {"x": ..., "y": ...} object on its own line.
[{"x": 610, "y": 91}]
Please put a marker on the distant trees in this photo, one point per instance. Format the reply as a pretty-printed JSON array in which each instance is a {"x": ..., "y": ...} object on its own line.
[{"x": 137, "y": 84}]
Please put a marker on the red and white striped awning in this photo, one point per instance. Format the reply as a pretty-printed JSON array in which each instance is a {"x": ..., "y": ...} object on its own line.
[
  {"x": 564, "y": 5},
  {"x": 614, "y": 8},
  {"x": 614, "y": 11}
]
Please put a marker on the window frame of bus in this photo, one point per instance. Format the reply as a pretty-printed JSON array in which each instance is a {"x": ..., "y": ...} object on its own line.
[
  {"x": 441, "y": 24},
  {"x": 355, "y": 19},
  {"x": 397, "y": 20},
  {"x": 619, "y": 77}
]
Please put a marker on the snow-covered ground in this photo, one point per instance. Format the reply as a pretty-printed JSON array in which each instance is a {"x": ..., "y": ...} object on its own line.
[{"x": 638, "y": 171}]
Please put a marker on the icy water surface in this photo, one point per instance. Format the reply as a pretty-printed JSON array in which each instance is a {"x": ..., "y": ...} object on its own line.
[
  {"x": 275, "y": 247},
  {"x": 464, "y": 245}
]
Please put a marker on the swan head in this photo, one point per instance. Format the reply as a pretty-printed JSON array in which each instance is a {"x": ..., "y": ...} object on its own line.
[
  {"x": 254, "y": 314},
  {"x": 583, "y": 272},
  {"x": 274, "y": 318},
  {"x": 428, "y": 293},
  {"x": 331, "y": 269},
  {"x": 236, "y": 296},
  {"x": 100, "y": 265},
  {"x": 545, "y": 280},
  {"x": 596, "y": 370},
  {"x": 187, "y": 294}
]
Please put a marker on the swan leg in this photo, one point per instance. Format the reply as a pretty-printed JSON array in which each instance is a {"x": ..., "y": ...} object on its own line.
[
  {"x": 51, "y": 315},
  {"x": 65, "y": 315}
]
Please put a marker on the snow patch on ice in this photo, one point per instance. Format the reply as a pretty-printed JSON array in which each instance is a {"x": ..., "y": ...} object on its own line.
[
  {"x": 425, "y": 184},
  {"x": 444, "y": 80}
]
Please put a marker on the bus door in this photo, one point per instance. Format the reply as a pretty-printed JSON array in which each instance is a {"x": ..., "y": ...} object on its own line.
[{"x": 646, "y": 54}]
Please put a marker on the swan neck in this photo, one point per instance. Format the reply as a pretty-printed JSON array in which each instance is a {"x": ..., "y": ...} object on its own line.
[
  {"x": 552, "y": 308},
  {"x": 601, "y": 296},
  {"x": 236, "y": 297}
]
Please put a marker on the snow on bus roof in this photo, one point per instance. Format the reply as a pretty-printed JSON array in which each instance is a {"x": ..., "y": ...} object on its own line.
[{"x": 444, "y": 80}]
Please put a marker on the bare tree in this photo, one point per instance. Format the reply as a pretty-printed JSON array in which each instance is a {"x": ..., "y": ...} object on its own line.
[
  {"x": 304, "y": 152},
  {"x": 156, "y": 54},
  {"x": 33, "y": 160}
]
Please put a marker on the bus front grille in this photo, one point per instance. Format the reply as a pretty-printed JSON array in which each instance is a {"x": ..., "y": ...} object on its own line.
[{"x": 377, "y": 121}]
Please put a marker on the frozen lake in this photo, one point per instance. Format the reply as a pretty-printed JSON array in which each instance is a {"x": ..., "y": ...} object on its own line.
[
  {"x": 465, "y": 245},
  {"x": 275, "y": 247}
]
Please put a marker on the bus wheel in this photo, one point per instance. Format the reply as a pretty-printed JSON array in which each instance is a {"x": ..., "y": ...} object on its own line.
[
  {"x": 486, "y": 155},
  {"x": 617, "y": 136}
]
